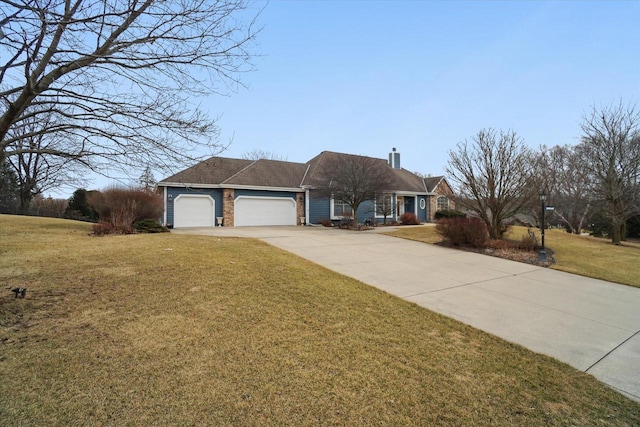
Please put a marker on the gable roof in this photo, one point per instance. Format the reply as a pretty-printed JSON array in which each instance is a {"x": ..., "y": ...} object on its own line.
[
  {"x": 223, "y": 171},
  {"x": 401, "y": 179},
  {"x": 432, "y": 182},
  {"x": 259, "y": 173},
  {"x": 211, "y": 171},
  {"x": 269, "y": 173}
]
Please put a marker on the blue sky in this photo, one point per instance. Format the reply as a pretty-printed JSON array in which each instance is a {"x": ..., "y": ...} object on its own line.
[{"x": 365, "y": 76}]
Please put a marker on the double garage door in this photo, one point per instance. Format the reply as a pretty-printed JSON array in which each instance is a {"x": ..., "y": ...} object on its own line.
[
  {"x": 199, "y": 211},
  {"x": 254, "y": 211}
]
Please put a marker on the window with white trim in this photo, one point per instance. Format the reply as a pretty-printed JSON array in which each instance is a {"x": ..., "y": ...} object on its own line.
[
  {"x": 383, "y": 204},
  {"x": 442, "y": 203},
  {"x": 341, "y": 209}
]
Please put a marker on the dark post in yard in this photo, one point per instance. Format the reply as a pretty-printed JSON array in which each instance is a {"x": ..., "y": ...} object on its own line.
[{"x": 543, "y": 253}]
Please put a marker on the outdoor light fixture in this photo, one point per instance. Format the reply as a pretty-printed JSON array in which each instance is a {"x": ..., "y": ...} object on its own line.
[
  {"x": 170, "y": 197},
  {"x": 229, "y": 196},
  {"x": 542, "y": 255}
]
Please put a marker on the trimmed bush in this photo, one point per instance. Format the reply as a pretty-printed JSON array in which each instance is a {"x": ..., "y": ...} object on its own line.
[
  {"x": 463, "y": 231},
  {"x": 449, "y": 214},
  {"x": 149, "y": 226},
  {"x": 102, "y": 229},
  {"x": 409, "y": 218},
  {"x": 326, "y": 222},
  {"x": 123, "y": 207}
]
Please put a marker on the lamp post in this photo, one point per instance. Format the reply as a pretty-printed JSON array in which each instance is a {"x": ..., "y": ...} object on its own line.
[{"x": 543, "y": 253}]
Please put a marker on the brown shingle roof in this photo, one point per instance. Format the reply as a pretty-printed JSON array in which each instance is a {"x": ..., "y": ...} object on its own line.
[
  {"x": 432, "y": 182},
  {"x": 211, "y": 171},
  {"x": 275, "y": 173},
  {"x": 270, "y": 173},
  {"x": 401, "y": 179},
  {"x": 258, "y": 173}
]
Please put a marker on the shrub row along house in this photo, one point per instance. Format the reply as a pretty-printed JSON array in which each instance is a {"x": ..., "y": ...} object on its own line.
[{"x": 240, "y": 192}]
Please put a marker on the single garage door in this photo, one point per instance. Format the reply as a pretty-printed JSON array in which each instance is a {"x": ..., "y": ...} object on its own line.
[
  {"x": 193, "y": 211},
  {"x": 254, "y": 211}
]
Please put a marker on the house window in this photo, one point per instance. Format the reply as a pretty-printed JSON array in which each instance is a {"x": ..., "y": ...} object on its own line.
[
  {"x": 443, "y": 203},
  {"x": 383, "y": 205},
  {"x": 341, "y": 209}
]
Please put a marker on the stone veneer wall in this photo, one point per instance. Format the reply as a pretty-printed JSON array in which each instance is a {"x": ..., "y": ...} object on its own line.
[
  {"x": 228, "y": 204},
  {"x": 433, "y": 201},
  {"x": 300, "y": 208}
]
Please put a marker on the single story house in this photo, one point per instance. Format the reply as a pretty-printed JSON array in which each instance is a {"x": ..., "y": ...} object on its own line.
[{"x": 240, "y": 192}]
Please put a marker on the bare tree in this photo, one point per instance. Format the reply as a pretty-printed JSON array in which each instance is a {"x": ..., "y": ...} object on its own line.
[
  {"x": 257, "y": 154},
  {"x": 567, "y": 185},
  {"x": 117, "y": 77},
  {"x": 9, "y": 202},
  {"x": 355, "y": 179},
  {"x": 493, "y": 177},
  {"x": 50, "y": 207},
  {"x": 611, "y": 144},
  {"x": 384, "y": 206},
  {"x": 37, "y": 170}
]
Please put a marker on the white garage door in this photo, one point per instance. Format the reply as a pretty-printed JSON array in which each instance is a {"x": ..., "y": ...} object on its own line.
[
  {"x": 193, "y": 211},
  {"x": 253, "y": 211}
]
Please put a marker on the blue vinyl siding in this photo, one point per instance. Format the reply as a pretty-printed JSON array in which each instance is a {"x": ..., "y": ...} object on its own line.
[
  {"x": 264, "y": 193},
  {"x": 366, "y": 210},
  {"x": 318, "y": 209},
  {"x": 174, "y": 192}
]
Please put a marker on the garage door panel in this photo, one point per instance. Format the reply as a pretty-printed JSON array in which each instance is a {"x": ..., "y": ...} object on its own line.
[
  {"x": 194, "y": 211},
  {"x": 264, "y": 211}
]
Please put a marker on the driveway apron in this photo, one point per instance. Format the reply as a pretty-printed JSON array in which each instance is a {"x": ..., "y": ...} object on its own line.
[{"x": 590, "y": 324}]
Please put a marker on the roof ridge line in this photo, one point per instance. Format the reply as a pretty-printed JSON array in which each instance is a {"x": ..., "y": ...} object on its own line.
[
  {"x": 305, "y": 174},
  {"x": 240, "y": 171}
]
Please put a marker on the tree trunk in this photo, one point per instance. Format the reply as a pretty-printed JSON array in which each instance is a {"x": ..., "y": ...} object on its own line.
[
  {"x": 584, "y": 216},
  {"x": 616, "y": 228},
  {"x": 25, "y": 202},
  {"x": 495, "y": 231}
]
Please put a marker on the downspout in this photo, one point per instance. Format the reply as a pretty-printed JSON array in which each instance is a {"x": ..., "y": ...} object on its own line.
[
  {"x": 165, "y": 205},
  {"x": 394, "y": 204},
  {"x": 306, "y": 205}
]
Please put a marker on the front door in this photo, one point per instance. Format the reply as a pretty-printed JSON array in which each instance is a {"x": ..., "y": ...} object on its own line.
[{"x": 399, "y": 207}]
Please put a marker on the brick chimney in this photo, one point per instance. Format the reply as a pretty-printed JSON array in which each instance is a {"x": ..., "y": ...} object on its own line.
[{"x": 394, "y": 159}]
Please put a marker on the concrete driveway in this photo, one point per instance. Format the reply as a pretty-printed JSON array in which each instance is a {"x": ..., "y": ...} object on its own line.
[{"x": 590, "y": 324}]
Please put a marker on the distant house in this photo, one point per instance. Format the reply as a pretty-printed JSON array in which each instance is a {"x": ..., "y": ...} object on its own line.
[{"x": 238, "y": 192}]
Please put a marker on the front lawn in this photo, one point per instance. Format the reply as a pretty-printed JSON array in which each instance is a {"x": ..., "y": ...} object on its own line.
[
  {"x": 171, "y": 329},
  {"x": 584, "y": 255}
]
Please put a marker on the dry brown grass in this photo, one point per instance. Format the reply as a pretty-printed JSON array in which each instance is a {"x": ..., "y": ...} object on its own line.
[
  {"x": 584, "y": 255},
  {"x": 170, "y": 329},
  {"x": 590, "y": 256},
  {"x": 425, "y": 233}
]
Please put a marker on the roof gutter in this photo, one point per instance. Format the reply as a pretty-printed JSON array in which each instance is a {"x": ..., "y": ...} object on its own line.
[{"x": 231, "y": 186}]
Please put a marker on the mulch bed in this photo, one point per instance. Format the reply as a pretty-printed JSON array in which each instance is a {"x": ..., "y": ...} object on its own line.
[{"x": 507, "y": 250}]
